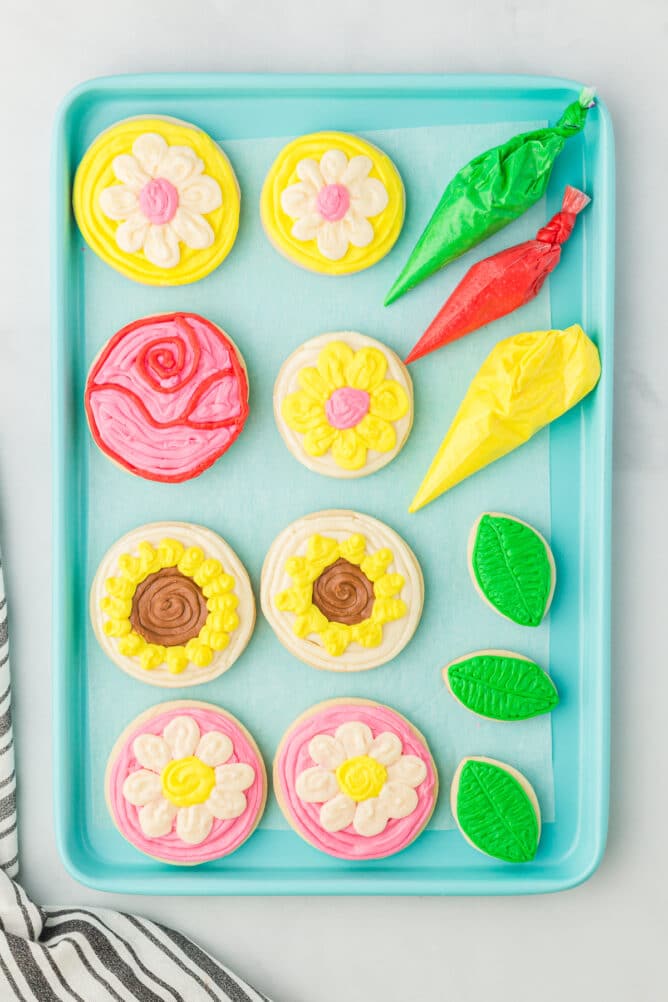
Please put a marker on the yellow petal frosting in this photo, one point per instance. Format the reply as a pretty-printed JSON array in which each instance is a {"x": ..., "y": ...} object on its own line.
[
  {"x": 388, "y": 585},
  {"x": 353, "y": 548},
  {"x": 301, "y": 412},
  {"x": 318, "y": 440},
  {"x": 333, "y": 362},
  {"x": 312, "y": 383},
  {"x": 376, "y": 433},
  {"x": 336, "y": 637},
  {"x": 367, "y": 369},
  {"x": 349, "y": 450},
  {"x": 389, "y": 401},
  {"x": 368, "y": 633},
  {"x": 375, "y": 566},
  {"x": 321, "y": 551}
]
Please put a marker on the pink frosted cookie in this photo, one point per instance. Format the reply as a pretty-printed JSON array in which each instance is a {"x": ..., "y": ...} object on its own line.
[
  {"x": 167, "y": 396},
  {"x": 355, "y": 779},
  {"x": 185, "y": 783}
]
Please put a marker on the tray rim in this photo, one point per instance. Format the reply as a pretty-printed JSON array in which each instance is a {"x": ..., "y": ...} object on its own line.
[{"x": 283, "y": 883}]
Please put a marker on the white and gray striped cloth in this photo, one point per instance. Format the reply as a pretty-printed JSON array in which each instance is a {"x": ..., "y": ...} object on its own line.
[
  {"x": 9, "y": 858},
  {"x": 88, "y": 954}
]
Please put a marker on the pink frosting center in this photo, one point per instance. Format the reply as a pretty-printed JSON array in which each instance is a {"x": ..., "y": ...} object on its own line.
[
  {"x": 333, "y": 202},
  {"x": 159, "y": 200},
  {"x": 346, "y": 407}
]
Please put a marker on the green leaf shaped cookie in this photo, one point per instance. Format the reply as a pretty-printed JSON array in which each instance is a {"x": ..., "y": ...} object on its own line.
[
  {"x": 496, "y": 809},
  {"x": 501, "y": 685},
  {"x": 512, "y": 567}
]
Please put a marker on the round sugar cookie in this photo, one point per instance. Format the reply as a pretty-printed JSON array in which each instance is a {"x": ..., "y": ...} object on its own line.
[
  {"x": 343, "y": 403},
  {"x": 185, "y": 783},
  {"x": 172, "y": 605},
  {"x": 333, "y": 203},
  {"x": 512, "y": 567},
  {"x": 342, "y": 591},
  {"x": 166, "y": 396},
  {"x": 355, "y": 779},
  {"x": 157, "y": 199},
  {"x": 496, "y": 809}
]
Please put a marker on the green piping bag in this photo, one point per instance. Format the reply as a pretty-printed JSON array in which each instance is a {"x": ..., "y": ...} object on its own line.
[{"x": 488, "y": 193}]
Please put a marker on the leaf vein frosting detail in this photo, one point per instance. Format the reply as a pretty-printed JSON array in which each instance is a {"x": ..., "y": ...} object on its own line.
[
  {"x": 495, "y": 812},
  {"x": 512, "y": 568},
  {"x": 501, "y": 686},
  {"x": 506, "y": 822}
]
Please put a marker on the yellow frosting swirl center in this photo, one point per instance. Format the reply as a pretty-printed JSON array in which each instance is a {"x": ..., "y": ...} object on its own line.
[
  {"x": 187, "y": 781},
  {"x": 361, "y": 777}
]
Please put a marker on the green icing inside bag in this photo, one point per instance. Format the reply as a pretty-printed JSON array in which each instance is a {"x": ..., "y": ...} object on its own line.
[{"x": 491, "y": 191}]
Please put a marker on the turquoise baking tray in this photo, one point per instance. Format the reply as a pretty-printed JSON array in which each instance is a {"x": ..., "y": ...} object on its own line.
[{"x": 93, "y": 500}]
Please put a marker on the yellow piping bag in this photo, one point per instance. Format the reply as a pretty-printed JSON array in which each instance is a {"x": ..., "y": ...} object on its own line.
[{"x": 525, "y": 382}]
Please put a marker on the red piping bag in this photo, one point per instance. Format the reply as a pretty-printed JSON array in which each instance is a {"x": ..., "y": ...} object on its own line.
[{"x": 503, "y": 282}]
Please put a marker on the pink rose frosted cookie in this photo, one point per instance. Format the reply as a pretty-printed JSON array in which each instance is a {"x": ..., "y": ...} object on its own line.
[
  {"x": 167, "y": 396},
  {"x": 185, "y": 783},
  {"x": 355, "y": 779}
]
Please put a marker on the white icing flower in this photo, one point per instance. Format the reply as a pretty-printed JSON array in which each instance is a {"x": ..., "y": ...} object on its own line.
[
  {"x": 332, "y": 201},
  {"x": 359, "y": 779},
  {"x": 161, "y": 200},
  {"x": 184, "y": 776}
]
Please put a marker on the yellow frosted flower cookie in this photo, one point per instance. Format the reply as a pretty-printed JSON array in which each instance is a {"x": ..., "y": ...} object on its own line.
[
  {"x": 343, "y": 403},
  {"x": 157, "y": 200},
  {"x": 333, "y": 203}
]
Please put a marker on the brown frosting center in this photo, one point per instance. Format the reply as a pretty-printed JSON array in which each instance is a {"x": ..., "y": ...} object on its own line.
[
  {"x": 343, "y": 593},
  {"x": 168, "y": 608}
]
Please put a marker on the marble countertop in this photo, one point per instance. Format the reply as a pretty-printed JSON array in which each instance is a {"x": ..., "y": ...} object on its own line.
[{"x": 605, "y": 939}]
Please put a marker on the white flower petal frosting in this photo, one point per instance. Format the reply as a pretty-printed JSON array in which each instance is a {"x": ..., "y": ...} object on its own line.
[
  {"x": 355, "y": 779},
  {"x": 161, "y": 200},
  {"x": 332, "y": 202},
  {"x": 360, "y": 780},
  {"x": 185, "y": 776},
  {"x": 185, "y": 783},
  {"x": 157, "y": 199}
]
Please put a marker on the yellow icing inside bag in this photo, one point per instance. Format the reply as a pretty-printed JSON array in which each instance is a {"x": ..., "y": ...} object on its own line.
[{"x": 525, "y": 382}]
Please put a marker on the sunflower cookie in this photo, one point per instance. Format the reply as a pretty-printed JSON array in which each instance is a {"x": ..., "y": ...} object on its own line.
[
  {"x": 512, "y": 568},
  {"x": 496, "y": 809},
  {"x": 355, "y": 779},
  {"x": 185, "y": 783},
  {"x": 342, "y": 591},
  {"x": 158, "y": 200},
  {"x": 333, "y": 203},
  {"x": 167, "y": 396},
  {"x": 343, "y": 404},
  {"x": 172, "y": 604}
]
